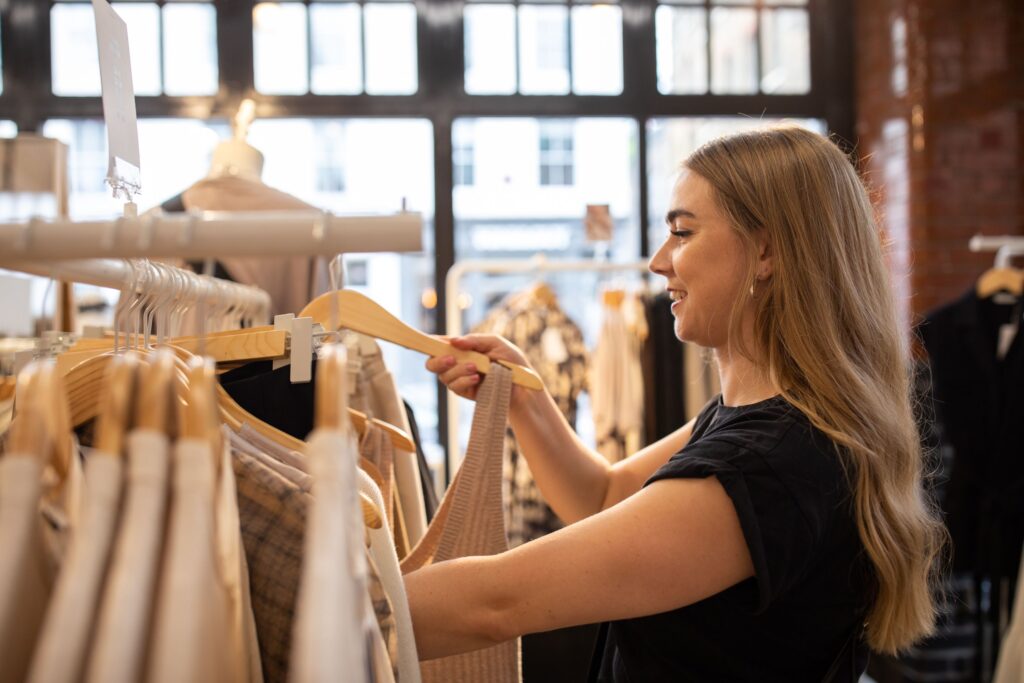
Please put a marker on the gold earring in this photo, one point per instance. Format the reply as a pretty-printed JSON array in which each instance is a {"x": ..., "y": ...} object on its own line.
[{"x": 751, "y": 289}]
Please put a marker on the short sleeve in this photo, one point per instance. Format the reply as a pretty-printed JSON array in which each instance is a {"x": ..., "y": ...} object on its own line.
[{"x": 776, "y": 530}]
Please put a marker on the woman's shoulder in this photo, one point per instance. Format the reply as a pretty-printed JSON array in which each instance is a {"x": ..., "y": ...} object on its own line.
[{"x": 772, "y": 447}]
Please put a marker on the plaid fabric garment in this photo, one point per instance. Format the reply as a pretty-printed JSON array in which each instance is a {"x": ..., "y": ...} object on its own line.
[{"x": 272, "y": 511}]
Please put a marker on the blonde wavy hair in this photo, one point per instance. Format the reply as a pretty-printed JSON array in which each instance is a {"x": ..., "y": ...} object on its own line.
[{"x": 827, "y": 328}]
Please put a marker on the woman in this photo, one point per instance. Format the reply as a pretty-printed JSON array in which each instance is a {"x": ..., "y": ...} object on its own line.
[{"x": 784, "y": 528}]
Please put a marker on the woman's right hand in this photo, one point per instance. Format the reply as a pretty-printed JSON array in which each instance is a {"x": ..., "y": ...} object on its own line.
[{"x": 462, "y": 378}]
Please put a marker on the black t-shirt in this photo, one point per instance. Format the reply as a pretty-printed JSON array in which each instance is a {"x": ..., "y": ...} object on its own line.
[{"x": 813, "y": 582}]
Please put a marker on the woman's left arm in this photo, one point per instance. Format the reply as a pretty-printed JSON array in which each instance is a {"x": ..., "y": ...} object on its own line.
[{"x": 673, "y": 543}]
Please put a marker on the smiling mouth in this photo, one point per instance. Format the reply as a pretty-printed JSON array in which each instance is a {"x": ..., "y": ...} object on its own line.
[{"x": 676, "y": 296}]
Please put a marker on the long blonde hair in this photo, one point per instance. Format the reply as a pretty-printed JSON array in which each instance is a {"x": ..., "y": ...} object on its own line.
[{"x": 826, "y": 326}]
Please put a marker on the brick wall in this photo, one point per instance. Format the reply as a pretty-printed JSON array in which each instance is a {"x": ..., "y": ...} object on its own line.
[{"x": 940, "y": 125}]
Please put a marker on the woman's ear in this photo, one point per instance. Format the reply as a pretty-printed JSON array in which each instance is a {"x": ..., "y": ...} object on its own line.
[{"x": 765, "y": 256}]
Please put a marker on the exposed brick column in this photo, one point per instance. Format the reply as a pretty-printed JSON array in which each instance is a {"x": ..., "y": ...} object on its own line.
[{"x": 940, "y": 124}]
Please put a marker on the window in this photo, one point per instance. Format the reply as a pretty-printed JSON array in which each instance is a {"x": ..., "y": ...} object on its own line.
[
  {"x": 186, "y": 64},
  {"x": 556, "y": 153},
  {"x": 731, "y": 47},
  {"x": 462, "y": 152},
  {"x": 335, "y": 48},
  {"x": 330, "y": 172},
  {"x": 526, "y": 49}
]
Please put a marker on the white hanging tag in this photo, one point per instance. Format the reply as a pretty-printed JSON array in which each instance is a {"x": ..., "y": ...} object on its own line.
[
  {"x": 302, "y": 350},
  {"x": 123, "y": 166},
  {"x": 283, "y": 322}
]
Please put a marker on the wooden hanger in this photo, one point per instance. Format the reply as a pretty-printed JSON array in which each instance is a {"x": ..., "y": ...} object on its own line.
[
  {"x": 1000, "y": 279},
  {"x": 159, "y": 388},
  {"x": 543, "y": 294},
  {"x": 42, "y": 423},
  {"x": 198, "y": 417},
  {"x": 114, "y": 418},
  {"x": 232, "y": 346},
  {"x": 362, "y": 314},
  {"x": 613, "y": 298}
]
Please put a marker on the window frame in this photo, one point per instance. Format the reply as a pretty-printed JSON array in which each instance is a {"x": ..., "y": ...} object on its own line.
[{"x": 27, "y": 96}]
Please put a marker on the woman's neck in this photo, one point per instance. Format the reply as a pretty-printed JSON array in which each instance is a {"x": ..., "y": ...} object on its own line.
[{"x": 743, "y": 381}]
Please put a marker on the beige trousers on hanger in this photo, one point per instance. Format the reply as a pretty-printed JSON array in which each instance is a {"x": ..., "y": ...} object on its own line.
[{"x": 470, "y": 521}]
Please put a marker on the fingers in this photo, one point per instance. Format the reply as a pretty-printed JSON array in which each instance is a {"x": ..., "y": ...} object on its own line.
[{"x": 462, "y": 378}]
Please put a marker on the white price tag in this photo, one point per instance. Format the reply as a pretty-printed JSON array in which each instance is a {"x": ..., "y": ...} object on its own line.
[{"x": 123, "y": 167}]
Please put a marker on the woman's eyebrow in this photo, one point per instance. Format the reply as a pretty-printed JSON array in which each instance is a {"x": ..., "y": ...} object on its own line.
[{"x": 672, "y": 215}]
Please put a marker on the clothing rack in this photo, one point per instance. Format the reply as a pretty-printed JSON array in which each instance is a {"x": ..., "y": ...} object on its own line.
[
  {"x": 118, "y": 274},
  {"x": 534, "y": 265},
  {"x": 1005, "y": 246},
  {"x": 201, "y": 234}
]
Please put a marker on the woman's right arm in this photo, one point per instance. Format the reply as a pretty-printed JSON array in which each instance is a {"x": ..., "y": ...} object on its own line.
[{"x": 575, "y": 480}]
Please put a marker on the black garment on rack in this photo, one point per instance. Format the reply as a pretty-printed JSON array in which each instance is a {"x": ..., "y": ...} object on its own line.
[
  {"x": 979, "y": 413},
  {"x": 813, "y": 583},
  {"x": 426, "y": 476},
  {"x": 664, "y": 371}
]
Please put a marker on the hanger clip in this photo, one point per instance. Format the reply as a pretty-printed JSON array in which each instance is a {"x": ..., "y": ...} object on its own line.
[{"x": 300, "y": 353}]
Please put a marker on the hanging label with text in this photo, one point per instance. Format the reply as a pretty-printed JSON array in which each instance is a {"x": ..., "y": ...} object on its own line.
[{"x": 123, "y": 167}]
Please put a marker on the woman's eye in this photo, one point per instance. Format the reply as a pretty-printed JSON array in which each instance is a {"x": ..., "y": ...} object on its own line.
[{"x": 681, "y": 233}]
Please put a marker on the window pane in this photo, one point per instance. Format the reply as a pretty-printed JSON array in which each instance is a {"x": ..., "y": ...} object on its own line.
[
  {"x": 733, "y": 51},
  {"x": 463, "y": 152},
  {"x": 174, "y": 153},
  {"x": 490, "y": 38},
  {"x": 337, "y": 49},
  {"x": 279, "y": 48},
  {"x": 597, "y": 50},
  {"x": 671, "y": 140},
  {"x": 391, "y": 49},
  {"x": 785, "y": 52},
  {"x": 8, "y": 129},
  {"x": 681, "y": 39},
  {"x": 143, "y": 20},
  {"x": 76, "y": 63},
  {"x": 190, "y": 49},
  {"x": 543, "y": 50}
]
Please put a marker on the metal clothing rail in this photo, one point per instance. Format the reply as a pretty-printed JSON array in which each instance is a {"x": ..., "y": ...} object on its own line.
[
  {"x": 118, "y": 274},
  {"x": 537, "y": 264},
  {"x": 204, "y": 234},
  {"x": 1005, "y": 246}
]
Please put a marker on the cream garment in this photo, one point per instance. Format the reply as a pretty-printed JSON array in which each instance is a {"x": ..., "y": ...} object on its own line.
[
  {"x": 291, "y": 281},
  {"x": 386, "y": 404},
  {"x": 331, "y": 612},
  {"x": 1010, "y": 668},
  {"x": 66, "y": 636},
  {"x": 193, "y": 615},
  {"x": 234, "y": 572},
  {"x": 383, "y": 552},
  {"x": 470, "y": 521},
  {"x": 617, "y": 388},
  {"x": 24, "y": 568},
  {"x": 123, "y": 628}
]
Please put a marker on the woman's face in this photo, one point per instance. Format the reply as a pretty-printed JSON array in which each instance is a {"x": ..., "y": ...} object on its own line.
[{"x": 704, "y": 262}]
